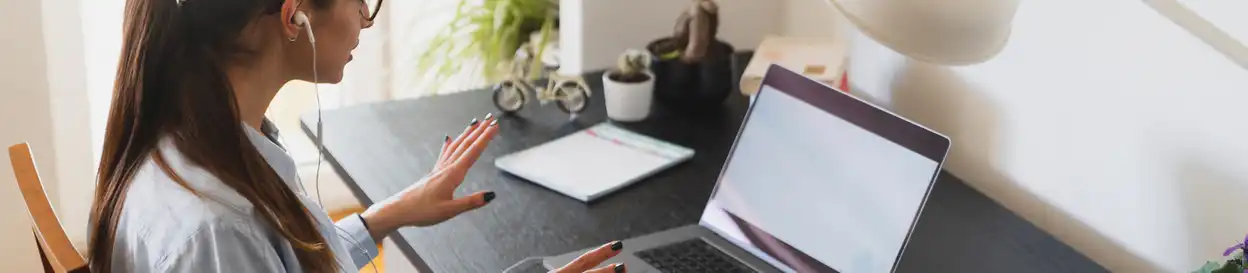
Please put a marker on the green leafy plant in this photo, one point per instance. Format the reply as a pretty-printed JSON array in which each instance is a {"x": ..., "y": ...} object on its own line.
[{"x": 488, "y": 33}]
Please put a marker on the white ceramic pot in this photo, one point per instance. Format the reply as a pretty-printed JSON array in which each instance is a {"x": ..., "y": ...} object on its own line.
[{"x": 628, "y": 101}]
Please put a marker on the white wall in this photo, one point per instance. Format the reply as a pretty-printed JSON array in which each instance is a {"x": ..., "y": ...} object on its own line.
[
  {"x": 1101, "y": 122},
  {"x": 98, "y": 24},
  {"x": 1112, "y": 128},
  {"x": 81, "y": 81},
  {"x": 593, "y": 33},
  {"x": 24, "y": 116},
  {"x": 811, "y": 18},
  {"x": 46, "y": 103}
]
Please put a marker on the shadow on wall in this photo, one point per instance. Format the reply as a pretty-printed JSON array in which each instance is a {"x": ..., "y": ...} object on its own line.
[
  {"x": 1213, "y": 202},
  {"x": 936, "y": 97}
]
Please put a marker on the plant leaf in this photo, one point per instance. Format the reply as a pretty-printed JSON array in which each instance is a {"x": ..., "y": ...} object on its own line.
[
  {"x": 1229, "y": 268},
  {"x": 539, "y": 63},
  {"x": 1209, "y": 267},
  {"x": 484, "y": 36}
]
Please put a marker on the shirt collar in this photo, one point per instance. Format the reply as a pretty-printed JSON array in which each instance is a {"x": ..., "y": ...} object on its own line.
[{"x": 275, "y": 155}]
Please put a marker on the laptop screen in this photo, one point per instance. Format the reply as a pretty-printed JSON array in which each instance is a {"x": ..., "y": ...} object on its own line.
[{"x": 819, "y": 181}]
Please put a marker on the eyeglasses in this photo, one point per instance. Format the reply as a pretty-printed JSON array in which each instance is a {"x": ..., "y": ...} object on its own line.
[{"x": 369, "y": 9}]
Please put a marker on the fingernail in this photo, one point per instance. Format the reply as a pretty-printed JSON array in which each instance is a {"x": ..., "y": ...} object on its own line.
[
  {"x": 474, "y": 122},
  {"x": 447, "y": 138},
  {"x": 494, "y": 123},
  {"x": 489, "y": 196},
  {"x": 489, "y": 115},
  {"x": 617, "y": 246},
  {"x": 619, "y": 268}
]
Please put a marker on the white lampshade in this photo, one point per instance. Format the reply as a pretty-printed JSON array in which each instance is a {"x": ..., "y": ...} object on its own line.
[{"x": 947, "y": 32}]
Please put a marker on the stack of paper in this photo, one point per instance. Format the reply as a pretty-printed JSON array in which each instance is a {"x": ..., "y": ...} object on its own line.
[{"x": 822, "y": 59}]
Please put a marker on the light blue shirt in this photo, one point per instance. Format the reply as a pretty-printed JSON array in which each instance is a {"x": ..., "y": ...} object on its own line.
[{"x": 165, "y": 228}]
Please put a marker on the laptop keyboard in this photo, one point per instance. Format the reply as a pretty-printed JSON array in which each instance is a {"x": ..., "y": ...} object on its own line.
[{"x": 691, "y": 256}]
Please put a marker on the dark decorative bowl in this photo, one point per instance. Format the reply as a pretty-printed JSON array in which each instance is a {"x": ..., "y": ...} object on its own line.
[{"x": 698, "y": 86}]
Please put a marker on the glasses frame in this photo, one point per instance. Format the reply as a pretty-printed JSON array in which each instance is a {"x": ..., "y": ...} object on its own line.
[{"x": 364, "y": 11}]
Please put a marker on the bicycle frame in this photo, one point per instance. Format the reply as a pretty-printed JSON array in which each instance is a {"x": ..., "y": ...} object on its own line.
[{"x": 556, "y": 80}]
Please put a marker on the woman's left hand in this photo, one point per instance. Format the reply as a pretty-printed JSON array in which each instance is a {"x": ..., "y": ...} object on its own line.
[{"x": 432, "y": 200}]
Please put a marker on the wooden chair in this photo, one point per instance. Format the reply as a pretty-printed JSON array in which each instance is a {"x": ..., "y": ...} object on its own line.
[{"x": 55, "y": 249}]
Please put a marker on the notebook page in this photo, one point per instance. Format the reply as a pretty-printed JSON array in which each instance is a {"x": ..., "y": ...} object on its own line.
[{"x": 592, "y": 162}]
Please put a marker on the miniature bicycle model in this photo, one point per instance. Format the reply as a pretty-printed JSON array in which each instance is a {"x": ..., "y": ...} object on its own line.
[{"x": 510, "y": 95}]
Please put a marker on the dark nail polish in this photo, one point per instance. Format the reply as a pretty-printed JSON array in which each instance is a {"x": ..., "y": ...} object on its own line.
[
  {"x": 617, "y": 246},
  {"x": 474, "y": 122},
  {"x": 619, "y": 268},
  {"x": 447, "y": 138},
  {"x": 489, "y": 196}
]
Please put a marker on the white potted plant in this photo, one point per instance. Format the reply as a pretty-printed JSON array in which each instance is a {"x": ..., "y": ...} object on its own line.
[{"x": 629, "y": 88}]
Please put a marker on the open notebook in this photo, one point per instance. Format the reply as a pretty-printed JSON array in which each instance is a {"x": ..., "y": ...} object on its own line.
[{"x": 593, "y": 162}]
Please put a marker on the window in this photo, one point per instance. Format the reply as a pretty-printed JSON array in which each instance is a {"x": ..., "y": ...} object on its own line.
[{"x": 383, "y": 68}]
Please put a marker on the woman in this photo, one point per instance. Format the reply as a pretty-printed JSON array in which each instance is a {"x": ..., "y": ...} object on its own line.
[{"x": 189, "y": 180}]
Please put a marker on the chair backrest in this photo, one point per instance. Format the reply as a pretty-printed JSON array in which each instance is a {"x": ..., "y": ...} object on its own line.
[{"x": 57, "y": 251}]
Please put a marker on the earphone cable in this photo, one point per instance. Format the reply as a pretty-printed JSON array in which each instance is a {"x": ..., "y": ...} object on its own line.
[
  {"x": 320, "y": 146},
  {"x": 320, "y": 134}
]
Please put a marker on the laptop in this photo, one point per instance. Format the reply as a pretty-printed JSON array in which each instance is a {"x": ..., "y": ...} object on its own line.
[{"x": 816, "y": 181}]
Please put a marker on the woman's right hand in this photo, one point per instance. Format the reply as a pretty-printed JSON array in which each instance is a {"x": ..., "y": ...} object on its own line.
[
  {"x": 432, "y": 200},
  {"x": 586, "y": 262}
]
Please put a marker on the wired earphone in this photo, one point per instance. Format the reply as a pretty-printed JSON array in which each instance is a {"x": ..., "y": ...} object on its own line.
[{"x": 301, "y": 19}]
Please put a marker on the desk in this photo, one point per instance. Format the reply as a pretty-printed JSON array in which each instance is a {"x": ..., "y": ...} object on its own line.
[{"x": 379, "y": 149}]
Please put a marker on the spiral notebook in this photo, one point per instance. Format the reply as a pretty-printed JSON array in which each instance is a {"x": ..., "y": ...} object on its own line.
[{"x": 593, "y": 162}]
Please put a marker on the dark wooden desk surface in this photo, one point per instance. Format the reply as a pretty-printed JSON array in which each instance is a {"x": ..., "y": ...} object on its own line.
[{"x": 379, "y": 149}]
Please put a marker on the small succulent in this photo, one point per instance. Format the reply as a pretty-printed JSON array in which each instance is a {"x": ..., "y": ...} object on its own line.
[{"x": 632, "y": 65}]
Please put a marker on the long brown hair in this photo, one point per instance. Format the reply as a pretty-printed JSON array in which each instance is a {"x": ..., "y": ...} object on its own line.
[{"x": 171, "y": 83}]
